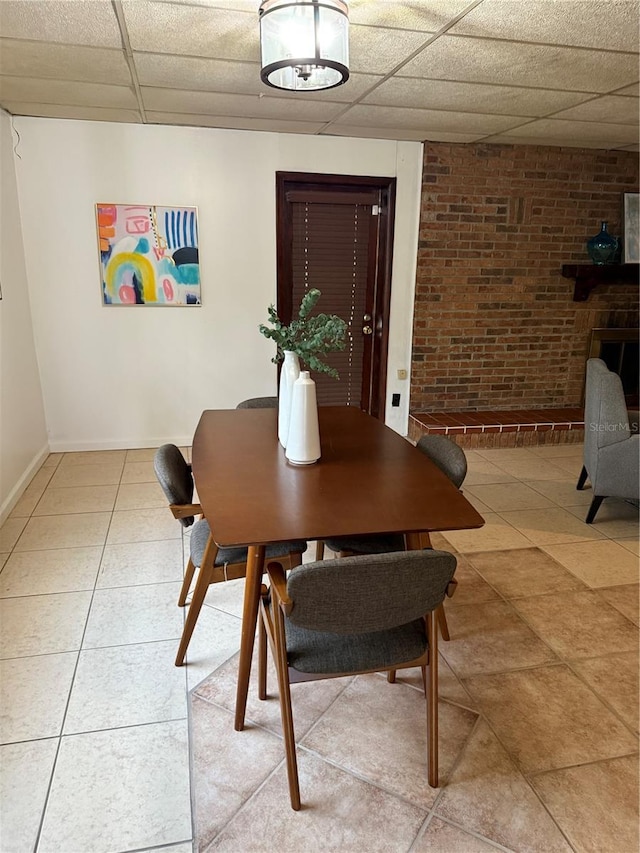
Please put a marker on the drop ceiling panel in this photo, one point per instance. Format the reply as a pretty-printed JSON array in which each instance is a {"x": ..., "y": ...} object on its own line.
[
  {"x": 73, "y": 112},
  {"x": 227, "y": 5},
  {"x": 192, "y": 30},
  {"x": 502, "y": 139},
  {"x": 440, "y": 120},
  {"x": 28, "y": 90},
  {"x": 603, "y": 24},
  {"x": 471, "y": 97},
  {"x": 427, "y": 17},
  {"x": 270, "y": 125},
  {"x": 63, "y": 62},
  {"x": 609, "y": 108},
  {"x": 576, "y": 130},
  {"x": 401, "y": 133},
  {"x": 219, "y": 75},
  {"x": 197, "y": 62},
  {"x": 375, "y": 50},
  {"x": 206, "y": 75},
  {"x": 91, "y": 23},
  {"x": 244, "y": 106},
  {"x": 513, "y": 64}
]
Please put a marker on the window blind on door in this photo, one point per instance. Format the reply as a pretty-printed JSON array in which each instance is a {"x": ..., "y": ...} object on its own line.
[{"x": 330, "y": 252}]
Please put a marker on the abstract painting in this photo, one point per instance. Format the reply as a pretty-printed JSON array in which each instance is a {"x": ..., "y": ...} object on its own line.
[{"x": 148, "y": 254}]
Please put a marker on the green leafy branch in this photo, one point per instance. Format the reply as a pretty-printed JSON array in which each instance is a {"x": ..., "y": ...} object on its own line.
[{"x": 309, "y": 337}]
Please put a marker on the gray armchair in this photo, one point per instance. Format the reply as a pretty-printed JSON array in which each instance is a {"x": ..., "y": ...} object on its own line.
[{"x": 611, "y": 458}]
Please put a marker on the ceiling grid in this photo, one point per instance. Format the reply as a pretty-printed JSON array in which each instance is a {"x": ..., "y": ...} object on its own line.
[{"x": 551, "y": 72}]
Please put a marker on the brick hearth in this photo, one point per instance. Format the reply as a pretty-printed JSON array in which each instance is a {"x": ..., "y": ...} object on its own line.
[{"x": 522, "y": 428}]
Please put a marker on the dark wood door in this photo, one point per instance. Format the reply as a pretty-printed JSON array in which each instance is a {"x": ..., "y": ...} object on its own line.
[{"x": 334, "y": 233}]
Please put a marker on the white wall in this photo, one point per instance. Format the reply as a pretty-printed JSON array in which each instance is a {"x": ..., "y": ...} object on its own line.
[
  {"x": 23, "y": 435},
  {"x": 124, "y": 377}
]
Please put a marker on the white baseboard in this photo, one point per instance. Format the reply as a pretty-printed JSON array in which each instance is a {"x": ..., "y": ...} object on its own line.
[
  {"x": 130, "y": 444},
  {"x": 16, "y": 493}
]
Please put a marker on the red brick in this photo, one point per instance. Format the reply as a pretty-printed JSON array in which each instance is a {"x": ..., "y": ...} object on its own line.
[{"x": 496, "y": 326}]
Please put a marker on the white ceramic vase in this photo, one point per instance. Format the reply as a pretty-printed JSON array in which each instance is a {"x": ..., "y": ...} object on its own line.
[
  {"x": 303, "y": 441},
  {"x": 288, "y": 374}
]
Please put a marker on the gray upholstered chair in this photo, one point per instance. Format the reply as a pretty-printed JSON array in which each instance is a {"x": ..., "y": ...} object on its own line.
[
  {"x": 356, "y": 615},
  {"x": 451, "y": 460},
  {"x": 611, "y": 458},
  {"x": 214, "y": 564},
  {"x": 259, "y": 403},
  {"x": 447, "y": 455}
]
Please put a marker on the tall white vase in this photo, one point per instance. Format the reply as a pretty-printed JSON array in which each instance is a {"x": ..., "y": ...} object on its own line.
[
  {"x": 303, "y": 441},
  {"x": 288, "y": 375}
]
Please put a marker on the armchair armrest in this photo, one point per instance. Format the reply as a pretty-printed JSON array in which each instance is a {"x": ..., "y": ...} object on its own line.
[
  {"x": 278, "y": 583},
  {"x": 185, "y": 510}
]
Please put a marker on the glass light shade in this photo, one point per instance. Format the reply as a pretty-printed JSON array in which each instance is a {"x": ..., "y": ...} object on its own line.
[{"x": 304, "y": 44}]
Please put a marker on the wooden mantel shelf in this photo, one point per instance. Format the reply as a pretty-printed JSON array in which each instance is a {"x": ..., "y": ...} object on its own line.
[{"x": 588, "y": 276}]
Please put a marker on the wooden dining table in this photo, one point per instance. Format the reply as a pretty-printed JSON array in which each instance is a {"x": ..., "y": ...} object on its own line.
[{"x": 368, "y": 480}]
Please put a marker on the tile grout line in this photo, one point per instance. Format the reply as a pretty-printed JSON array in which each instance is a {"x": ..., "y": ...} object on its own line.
[
  {"x": 557, "y": 663},
  {"x": 66, "y": 709},
  {"x": 473, "y": 833},
  {"x": 79, "y": 651},
  {"x": 527, "y": 778},
  {"x": 519, "y": 772}
]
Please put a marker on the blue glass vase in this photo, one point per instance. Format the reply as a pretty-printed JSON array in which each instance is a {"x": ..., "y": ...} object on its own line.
[{"x": 602, "y": 248}]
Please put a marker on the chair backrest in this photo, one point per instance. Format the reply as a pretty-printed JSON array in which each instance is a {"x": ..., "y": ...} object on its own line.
[
  {"x": 357, "y": 595},
  {"x": 606, "y": 420},
  {"x": 447, "y": 455},
  {"x": 259, "y": 403},
  {"x": 174, "y": 475}
]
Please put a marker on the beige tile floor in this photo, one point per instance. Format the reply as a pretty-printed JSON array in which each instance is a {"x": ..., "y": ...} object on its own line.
[{"x": 105, "y": 750}]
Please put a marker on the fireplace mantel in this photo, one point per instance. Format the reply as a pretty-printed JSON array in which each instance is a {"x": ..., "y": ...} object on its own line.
[{"x": 588, "y": 276}]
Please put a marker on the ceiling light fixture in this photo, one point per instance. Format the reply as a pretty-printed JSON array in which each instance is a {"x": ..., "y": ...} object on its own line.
[{"x": 304, "y": 44}]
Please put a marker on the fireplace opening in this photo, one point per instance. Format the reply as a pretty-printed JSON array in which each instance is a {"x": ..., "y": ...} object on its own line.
[{"x": 619, "y": 350}]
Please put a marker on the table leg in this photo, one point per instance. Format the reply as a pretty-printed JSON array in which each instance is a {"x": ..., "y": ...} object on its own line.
[
  {"x": 255, "y": 569},
  {"x": 417, "y": 541}
]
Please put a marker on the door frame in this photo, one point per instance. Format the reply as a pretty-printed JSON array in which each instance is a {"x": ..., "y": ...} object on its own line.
[{"x": 286, "y": 181}]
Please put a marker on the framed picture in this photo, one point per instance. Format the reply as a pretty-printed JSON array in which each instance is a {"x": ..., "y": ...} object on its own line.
[
  {"x": 148, "y": 254},
  {"x": 631, "y": 228}
]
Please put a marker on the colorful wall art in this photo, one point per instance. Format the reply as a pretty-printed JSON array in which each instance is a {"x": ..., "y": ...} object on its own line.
[{"x": 148, "y": 254}]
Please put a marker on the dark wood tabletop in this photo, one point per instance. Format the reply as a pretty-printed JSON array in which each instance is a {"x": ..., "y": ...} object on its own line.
[{"x": 368, "y": 480}]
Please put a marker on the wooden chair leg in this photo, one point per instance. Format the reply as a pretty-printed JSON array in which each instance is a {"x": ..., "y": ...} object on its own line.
[
  {"x": 432, "y": 700},
  {"x": 280, "y": 654},
  {"x": 199, "y": 593},
  {"x": 442, "y": 622},
  {"x": 593, "y": 509},
  {"x": 262, "y": 657},
  {"x": 186, "y": 583},
  {"x": 423, "y": 670},
  {"x": 319, "y": 550}
]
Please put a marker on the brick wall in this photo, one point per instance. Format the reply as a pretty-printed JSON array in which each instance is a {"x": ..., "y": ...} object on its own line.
[{"x": 495, "y": 324}]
